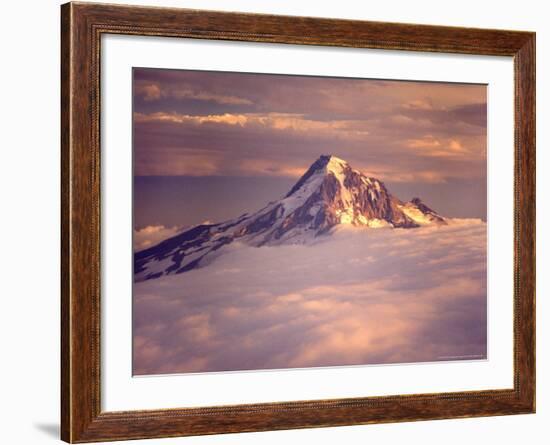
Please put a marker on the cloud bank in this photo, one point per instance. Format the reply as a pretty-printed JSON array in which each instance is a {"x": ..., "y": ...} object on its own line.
[
  {"x": 203, "y": 123},
  {"x": 356, "y": 297},
  {"x": 151, "y": 235}
]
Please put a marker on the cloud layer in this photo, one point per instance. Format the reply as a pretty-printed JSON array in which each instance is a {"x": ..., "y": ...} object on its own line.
[
  {"x": 209, "y": 123},
  {"x": 151, "y": 235},
  {"x": 357, "y": 297}
]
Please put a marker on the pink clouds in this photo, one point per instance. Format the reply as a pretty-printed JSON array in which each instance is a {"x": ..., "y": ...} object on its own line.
[
  {"x": 226, "y": 118},
  {"x": 187, "y": 160},
  {"x": 274, "y": 121},
  {"x": 357, "y": 297},
  {"x": 286, "y": 121},
  {"x": 428, "y": 145},
  {"x": 419, "y": 104},
  {"x": 151, "y": 235},
  {"x": 149, "y": 92},
  {"x": 153, "y": 91}
]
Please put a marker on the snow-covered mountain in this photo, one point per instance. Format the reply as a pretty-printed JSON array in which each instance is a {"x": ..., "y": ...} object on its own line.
[{"x": 330, "y": 193}]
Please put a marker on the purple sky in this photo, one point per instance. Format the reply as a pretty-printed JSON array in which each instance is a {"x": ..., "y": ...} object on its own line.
[{"x": 219, "y": 132}]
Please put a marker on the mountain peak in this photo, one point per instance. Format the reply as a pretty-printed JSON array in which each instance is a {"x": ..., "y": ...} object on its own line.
[
  {"x": 336, "y": 165},
  {"x": 324, "y": 164},
  {"x": 329, "y": 193},
  {"x": 329, "y": 162},
  {"x": 335, "y": 159}
]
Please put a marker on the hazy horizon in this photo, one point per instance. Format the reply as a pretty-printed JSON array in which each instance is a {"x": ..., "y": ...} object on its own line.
[{"x": 158, "y": 198}]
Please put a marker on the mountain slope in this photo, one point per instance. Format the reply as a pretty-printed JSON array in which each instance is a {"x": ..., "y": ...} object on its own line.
[{"x": 328, "y": 194}]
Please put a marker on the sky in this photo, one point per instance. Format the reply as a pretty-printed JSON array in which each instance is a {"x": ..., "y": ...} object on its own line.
[{"x": 213, "y": 145}]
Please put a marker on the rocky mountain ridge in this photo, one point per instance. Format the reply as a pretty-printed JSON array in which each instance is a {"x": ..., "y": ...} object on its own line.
[{"x": 330, "y": 193}]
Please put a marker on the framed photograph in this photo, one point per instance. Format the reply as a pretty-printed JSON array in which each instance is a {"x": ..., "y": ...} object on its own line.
[{"x": 276, "y": 222}]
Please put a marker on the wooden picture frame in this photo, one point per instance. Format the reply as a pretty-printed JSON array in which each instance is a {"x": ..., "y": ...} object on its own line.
[{"x": 82, "y": 25}]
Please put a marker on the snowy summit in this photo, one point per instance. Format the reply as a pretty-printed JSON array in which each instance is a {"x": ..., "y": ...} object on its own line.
[{"x": 330, "y": 193}]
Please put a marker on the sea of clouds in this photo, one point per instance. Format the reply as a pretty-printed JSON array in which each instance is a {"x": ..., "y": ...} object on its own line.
[{"x": 356, "y": 297}]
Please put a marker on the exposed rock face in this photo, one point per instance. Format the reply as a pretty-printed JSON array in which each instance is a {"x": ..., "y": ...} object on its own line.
[{"x": 328, "y": 194}]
